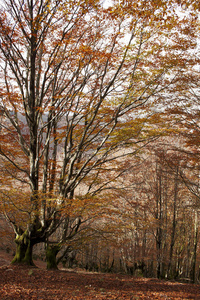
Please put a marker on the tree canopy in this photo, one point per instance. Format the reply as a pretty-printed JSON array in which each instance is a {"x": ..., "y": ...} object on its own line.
[{"x": 78, "y": 83}]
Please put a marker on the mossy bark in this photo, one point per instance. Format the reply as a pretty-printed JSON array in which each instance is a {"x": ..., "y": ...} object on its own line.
[
  {"x": 24, "y": 250},
  {"x": 51, "y": 253}
]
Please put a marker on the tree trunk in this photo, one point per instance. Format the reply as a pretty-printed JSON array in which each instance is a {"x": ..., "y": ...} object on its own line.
[
  {"x": 193, "y": 271},
  {"x": 159, "y": 218},
  {"x": 51, "y": 253},
  {"x": 24, "y": 250},
  {"x": 171, "y": 273}
]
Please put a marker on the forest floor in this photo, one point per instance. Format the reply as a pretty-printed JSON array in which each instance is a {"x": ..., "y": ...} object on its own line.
[{"x": 22, "y": 282}]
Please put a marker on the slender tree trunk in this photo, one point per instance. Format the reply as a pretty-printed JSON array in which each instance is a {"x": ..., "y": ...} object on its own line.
[
  {"x": 170, "y": 272},
  {"x": 193, "y": 275},
  {"x": 159, "y": 217},
  {"x": 144, "y": 241},
  {"x": 158, "y": 246}
]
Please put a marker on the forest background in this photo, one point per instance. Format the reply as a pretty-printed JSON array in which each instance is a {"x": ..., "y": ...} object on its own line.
[{"x": 100, "y": 135}]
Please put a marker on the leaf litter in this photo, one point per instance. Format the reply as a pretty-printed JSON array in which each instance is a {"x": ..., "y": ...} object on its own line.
[{"x": 22, "y": 282}]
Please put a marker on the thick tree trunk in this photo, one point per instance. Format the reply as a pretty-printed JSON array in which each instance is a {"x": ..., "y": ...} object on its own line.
[
  {"x": 24, "y": 250},
  {"x": 51, "y": 253}
]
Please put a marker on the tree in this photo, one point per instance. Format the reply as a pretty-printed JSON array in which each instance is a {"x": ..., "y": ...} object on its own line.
[
  {"x": 184, "y": 116},
  {"x": 76, "y": 78}
]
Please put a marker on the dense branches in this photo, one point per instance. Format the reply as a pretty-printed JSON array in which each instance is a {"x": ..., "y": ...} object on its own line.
[{"x": 78, "y": 82}]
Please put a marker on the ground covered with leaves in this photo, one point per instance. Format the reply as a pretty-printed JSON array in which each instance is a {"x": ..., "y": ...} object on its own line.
[{"x": 22, "y": 282}]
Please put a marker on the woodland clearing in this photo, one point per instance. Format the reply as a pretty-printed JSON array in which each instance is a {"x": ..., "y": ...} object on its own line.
[{"x": 24, "y": 282}]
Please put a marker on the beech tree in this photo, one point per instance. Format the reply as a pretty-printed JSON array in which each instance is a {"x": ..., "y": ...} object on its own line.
[
  {"x": 184, "y": 116},
  {"x": 77, "y": 81},
  {"x": 154, "y": 216}
]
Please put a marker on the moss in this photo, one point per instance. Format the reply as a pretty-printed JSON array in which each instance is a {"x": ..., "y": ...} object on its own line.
[
  {"x": 24, "y": 249},
  {"x": 51, "y": 252}
]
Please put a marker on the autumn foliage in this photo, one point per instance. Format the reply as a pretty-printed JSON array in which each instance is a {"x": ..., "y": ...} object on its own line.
[{"x": 84, "y": 91}]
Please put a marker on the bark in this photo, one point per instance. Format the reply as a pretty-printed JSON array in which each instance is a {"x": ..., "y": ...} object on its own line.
[
  {"x": 171, "y": 274},
  {"x": 24, "y": 250},
  {"x": 51, "y": 253},
  {"x": 159, "y": 217},
  {"x": 193, "y": 271}
]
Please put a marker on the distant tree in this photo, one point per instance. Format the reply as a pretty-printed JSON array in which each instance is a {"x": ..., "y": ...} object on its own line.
[{"x": 184, "y": 115}]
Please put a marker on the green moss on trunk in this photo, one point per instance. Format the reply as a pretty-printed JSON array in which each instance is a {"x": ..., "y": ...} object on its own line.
[
  {"x": 51, "y": 253},
  {"x": 24, "y": 250}
]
